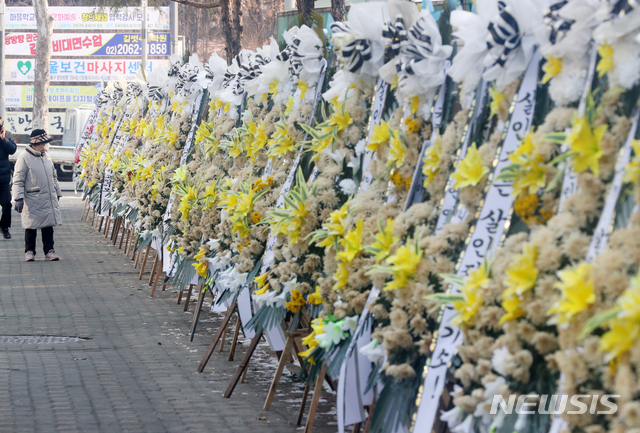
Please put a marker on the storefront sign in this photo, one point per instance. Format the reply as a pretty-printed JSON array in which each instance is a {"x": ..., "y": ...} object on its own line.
[
  {"x": 81, "y": 69},
  {"x": 89, "y": 44},
  {"x": 88, "y": 18}
]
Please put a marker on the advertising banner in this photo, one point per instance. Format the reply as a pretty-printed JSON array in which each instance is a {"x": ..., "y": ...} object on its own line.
[
  {"x": 59, "y": 96},
  {"x": 89, "y": 18},
  {"x": 19, "y": 122},
  {"x": 89, "y": 44},
  {"x": 81, "y": 69}
]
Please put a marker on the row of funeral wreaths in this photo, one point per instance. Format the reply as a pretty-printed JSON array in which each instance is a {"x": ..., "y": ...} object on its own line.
[{"x": 432, "y": 217}]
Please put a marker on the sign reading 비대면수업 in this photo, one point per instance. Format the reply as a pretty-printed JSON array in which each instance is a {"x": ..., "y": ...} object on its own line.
[
  {"x": 59, "y": 96},
  {"x": 89, "y": 18},
  {"x": 20, "y": 122},
  {"x": 81, "y": 69},
  {"x": 89, "y": 44}
]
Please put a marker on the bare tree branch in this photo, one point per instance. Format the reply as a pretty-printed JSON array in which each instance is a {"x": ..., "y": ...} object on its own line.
[{"x": 198, "y": 4}]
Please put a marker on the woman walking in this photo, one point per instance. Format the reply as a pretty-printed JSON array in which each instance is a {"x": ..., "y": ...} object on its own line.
[{"x": 36, "y": 192}]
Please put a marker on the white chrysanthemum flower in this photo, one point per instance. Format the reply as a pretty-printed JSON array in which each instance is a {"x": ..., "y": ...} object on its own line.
[
  {"x": 348, "y": 187},
  {"x": 498, "y": 359}
]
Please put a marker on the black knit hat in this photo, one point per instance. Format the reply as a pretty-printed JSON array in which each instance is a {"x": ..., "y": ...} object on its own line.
[{"x": 40, "y": 136}]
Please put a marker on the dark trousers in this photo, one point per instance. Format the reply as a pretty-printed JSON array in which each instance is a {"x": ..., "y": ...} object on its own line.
[
  {"x": 5, "y": 202},
  {"x": 30, "y": 239}
]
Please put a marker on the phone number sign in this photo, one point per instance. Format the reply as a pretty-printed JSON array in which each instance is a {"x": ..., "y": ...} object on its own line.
[{"x": 90, "y": 44}]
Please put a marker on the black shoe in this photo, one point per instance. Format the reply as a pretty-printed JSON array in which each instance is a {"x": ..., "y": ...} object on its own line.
[{"x": 6, "y": 234}]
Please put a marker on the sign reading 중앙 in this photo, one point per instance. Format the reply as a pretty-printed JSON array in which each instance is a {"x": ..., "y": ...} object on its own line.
[
  {"x": 59, "y": 96},
  {"x": 89, "y": 44},
  {"x": 81, "y": 69},
  {"x": 19, "y": 122},
  {"x": 88, "y": 18}
]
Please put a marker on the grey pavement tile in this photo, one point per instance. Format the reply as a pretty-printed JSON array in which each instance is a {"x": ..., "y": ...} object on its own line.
[{"x": 121, "y": 379}]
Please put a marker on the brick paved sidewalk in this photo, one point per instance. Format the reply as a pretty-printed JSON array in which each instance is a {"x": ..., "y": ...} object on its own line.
[{"x": 137, "y": 371}]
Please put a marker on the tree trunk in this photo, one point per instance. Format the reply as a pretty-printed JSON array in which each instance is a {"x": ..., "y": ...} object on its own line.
[
  {"x": 44, "y": 22},
  {"x": 231, "y": 27},
  {"x": 338, "y": 10},
  {"x": 237, "y": 27},
  {"x": 305, "y": 7}
]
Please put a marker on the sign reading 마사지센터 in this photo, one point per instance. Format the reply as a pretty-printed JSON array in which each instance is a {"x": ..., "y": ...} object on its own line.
[{"x": 86, "y": 70}]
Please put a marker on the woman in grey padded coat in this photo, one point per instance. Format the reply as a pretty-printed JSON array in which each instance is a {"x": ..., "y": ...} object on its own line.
[{"x": 37, "y": 192}]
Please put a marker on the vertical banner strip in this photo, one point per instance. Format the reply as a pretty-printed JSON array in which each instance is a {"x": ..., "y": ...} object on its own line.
[
  {"x": 569, "y": 178},
  {"x": 489, "y": 229}
]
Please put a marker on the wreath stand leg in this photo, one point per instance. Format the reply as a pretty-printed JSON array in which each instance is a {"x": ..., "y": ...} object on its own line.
[
  {"x": 107, "y": 226},
  {"x": 154, "y": 268},
  {"x": 124, "y": 233},
  {"x": 86, "y": 203},
  {"x": 196, "y": 312},
  {"x": 241, "y": 371},
  {"x": 315, "y": 400},
  {"x": 144, "y": 261},
  {"x": 216, "y": 337},
  {"x": 155, "y": 284},
  {"x": 303, "y": 403},
  {"x": 281, "y": 364},
  {"x": 234, "y": 343},
  {"x": 186, "y": 302}
]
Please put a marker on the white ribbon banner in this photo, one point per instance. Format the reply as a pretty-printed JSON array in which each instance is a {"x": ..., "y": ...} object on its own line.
[
  {"x": 489, "y": 229},
  {"x": 377, "y": 110},
  {"x": 570, "y": 178},
  {"x": 118, "y": 143}
]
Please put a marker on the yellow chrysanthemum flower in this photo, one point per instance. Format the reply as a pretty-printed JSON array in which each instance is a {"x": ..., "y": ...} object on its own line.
[
  {"x": 296, "y": 301},
  {"x": 431, "y": 160},
  {"x": 380, "y": 135},
  {"x": 551, "y": 68},
  {"x": 512, "y": 307},
  {"x": 585, "y": 145},
  {"x": 384, "y": 239},
  {"x": 606, "y": 59},
  {"x": 468, "y": 307},
  {"x": 397, "y": 152},
  {"x": 334, "y": 226},
  {"x": 315, "y": 298},
  {"x": 632, "y": 169},
  {"x": 352, "y": 244},
  {"x": 469, "y": 171},
  {"x": 403, "y": 265},
  {"x": 340, "y": 119},
  {"x": 522, "y": 273},
  {"x": 303, "y": 87},
  {"x": 496, "y": 100},
  {"x": 530, "y": 175},
  {"x": 414, "y": 104},
  {"x": 201, "y": 268},
  {"x": 341, "y": 276},
  {"x": 576, "y": 295}
]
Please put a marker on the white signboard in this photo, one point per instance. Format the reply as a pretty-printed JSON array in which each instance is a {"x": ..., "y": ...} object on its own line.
[
  {"x": 19, "y": 122},
  {"x": 75, "y": 70},
  {"x": 88, "y": 18},
  {"x": 89, "y": 44},
  {"x": 59, "y": 96}
]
